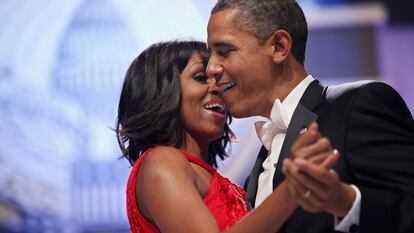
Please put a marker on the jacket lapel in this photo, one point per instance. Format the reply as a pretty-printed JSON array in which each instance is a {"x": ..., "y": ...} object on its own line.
[
  {"x": 301, "y": 118},
  {"x": 252, "y": 181}
]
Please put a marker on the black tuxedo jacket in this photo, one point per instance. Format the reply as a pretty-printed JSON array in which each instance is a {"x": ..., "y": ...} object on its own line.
[{"x": 371, "y": 126}]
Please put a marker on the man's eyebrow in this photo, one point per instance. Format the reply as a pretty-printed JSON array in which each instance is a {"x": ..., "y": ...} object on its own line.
[{"x": 221, "y": 45}]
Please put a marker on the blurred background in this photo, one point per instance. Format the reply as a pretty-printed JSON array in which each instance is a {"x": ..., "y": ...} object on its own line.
[{"x": 61, "y": 68}]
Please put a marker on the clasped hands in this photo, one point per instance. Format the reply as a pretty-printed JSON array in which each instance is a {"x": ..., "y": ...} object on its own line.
[{"x": 311, "y": 181}]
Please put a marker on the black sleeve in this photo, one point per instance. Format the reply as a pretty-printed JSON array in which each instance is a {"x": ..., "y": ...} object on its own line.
[{"x": 380, "y": 152}]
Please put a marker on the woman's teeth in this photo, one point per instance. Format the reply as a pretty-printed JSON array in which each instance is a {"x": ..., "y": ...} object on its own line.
[{"x": 215, "y": 107}]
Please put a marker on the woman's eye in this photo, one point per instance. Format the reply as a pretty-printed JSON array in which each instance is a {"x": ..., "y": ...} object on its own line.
[{"x": 200, "y": 78}]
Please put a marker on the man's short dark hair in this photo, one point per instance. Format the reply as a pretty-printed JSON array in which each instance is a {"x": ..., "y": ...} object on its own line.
[{"x": 263, "y": 17}]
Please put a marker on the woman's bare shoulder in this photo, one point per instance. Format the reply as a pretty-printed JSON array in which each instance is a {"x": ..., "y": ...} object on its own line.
[{"x": 164, "y": 162}]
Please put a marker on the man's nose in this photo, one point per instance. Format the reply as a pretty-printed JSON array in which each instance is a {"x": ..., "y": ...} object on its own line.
[{"x": 214, "y": 70}]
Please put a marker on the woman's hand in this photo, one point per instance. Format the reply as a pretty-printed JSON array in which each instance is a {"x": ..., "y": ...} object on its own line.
[{"x": 311, "y": 181}]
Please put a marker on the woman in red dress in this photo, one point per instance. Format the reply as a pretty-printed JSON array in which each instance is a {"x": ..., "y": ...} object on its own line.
[{"x": 172, "y": 125}]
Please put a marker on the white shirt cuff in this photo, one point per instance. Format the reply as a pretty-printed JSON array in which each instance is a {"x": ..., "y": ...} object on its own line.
[{"x": 351, "y": 219}]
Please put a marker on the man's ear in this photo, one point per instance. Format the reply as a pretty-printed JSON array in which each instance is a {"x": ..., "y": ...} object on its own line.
[{"x": 281, "y": 42}]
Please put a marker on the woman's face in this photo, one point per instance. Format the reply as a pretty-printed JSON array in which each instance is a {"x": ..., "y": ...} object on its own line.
[{"x": 202, "y": 107}]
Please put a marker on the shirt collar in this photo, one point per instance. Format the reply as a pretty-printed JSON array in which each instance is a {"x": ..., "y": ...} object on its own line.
[{"x": 292, "y": 100}]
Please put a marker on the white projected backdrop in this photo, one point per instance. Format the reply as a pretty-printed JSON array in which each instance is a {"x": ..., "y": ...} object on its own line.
[{"x": 61, "y": 69}]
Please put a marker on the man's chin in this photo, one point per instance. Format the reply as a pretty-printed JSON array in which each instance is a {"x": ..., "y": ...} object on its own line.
[
  {"x": 238, "y": 113},
  {"x": 234, "y": 107}
]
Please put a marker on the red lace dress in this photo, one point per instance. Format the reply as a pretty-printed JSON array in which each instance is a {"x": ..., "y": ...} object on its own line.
[{"x": 225, "y": 200}]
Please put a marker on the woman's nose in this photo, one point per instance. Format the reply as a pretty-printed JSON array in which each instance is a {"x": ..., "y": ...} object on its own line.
[{"x": 215, "y": 88}]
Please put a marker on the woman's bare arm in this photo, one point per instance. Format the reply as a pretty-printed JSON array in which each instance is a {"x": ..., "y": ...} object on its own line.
[{"x": 168, "y": 195}]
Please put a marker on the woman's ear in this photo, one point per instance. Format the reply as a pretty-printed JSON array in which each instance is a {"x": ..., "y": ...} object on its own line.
[{"x": 281, "y": 42}]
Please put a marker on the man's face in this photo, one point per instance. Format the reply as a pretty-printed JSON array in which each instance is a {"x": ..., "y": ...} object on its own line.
[{"x": 240, "y": 64}]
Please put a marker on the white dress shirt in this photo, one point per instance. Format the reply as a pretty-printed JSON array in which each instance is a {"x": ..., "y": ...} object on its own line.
[{"x": 265, "y": 182}]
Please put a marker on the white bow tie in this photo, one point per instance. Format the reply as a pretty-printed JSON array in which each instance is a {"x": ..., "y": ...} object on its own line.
[{"x": 278, "y": 123}]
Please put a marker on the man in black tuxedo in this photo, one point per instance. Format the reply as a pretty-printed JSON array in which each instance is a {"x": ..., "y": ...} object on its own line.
[{"x": 258, "y": 51}]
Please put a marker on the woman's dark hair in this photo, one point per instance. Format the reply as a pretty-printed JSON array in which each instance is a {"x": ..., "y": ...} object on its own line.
[{"x": 149, "y": 106}]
